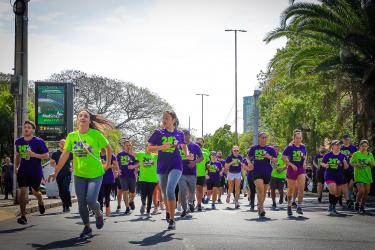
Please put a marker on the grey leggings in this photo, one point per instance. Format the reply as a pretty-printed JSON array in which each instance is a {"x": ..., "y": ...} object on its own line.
[
  {"x": 87, "y": 191},
  {"x": 168, "y": 183},
  {"x": 187, "y": 185}
]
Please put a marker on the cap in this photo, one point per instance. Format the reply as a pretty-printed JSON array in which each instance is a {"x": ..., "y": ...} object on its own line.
[
  {"x": 186, "y": 132},
  {"x": 335, "y": 142},
  {"x": 213, "y": 153},
  {"x": 346, "y": 136}
]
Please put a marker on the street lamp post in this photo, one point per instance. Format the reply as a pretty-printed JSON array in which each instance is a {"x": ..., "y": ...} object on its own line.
[
  {"x": 202, "y": 109},
  {"x": 235, "y": 80}
]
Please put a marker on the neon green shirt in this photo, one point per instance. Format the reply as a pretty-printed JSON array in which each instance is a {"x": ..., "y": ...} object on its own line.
[
  {"x": 363, "y": 173},
  {"x": 86, "y": 165},
  {"x": 147, "y": 167},
  {"x": 201, "y": 167},
  {"x": 280, "y": 165}
]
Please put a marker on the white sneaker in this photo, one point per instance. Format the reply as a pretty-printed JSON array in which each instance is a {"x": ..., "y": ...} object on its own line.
[
  {"x": 228, "y": 199},
  {"x": 179, "y": 207},
  {"x": 155, "y": 210}
]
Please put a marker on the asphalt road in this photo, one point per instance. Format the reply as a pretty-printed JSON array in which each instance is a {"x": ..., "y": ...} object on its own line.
[{"x": 224, "y": 228}]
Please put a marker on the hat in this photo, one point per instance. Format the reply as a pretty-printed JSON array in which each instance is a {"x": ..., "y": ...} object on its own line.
[
  {"x": 335, "y": 142},
  {"x": 186, "y": 132},
  {"x": 212, "y": 153},
  {"x": 346, "y": 136}
]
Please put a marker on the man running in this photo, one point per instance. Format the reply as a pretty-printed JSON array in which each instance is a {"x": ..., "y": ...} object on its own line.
[
  {"x": 348, "y": 150},
  {"x": 223, "y": 180},
  {"x": 320, "y": 171},
  {"x": 214, "y": 171},
  {"x": 201, "y": 173},
  {"x": 278, "y": 177},
  {"x": 30, "y": 151}
]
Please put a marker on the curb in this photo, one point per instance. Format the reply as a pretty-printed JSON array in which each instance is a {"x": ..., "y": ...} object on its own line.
[{"x": 35, "y": 208}]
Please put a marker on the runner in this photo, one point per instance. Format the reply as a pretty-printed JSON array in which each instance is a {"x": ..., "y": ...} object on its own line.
[
  {"x": 64, "y": 178},
  {"x": 294, "y": 156},
  {"x": 223, "y": 180},
  {"x": 214, "y": 172},
  {"x": 108, "y": 182},
  {"x": 335, "y": 163},
  {"x": 320, "y": 171},
  {"x": 251, "y": 184},
  {"x": 278, "y": 177},
  {"x": 259, "y": 159},
  {"x": 119, "y": 192},
  {"x": 201, "y": 174},
  {"x": 167, "y": 142},
  {"x": 86, "y": 144},
  {"x": 30, "y": 151},
  {"x": 233, "y": 165},
  {"x": 188, "y": 180},
  {"x": 348, "y": 150},
  {"x": 362, "y": 161},
  {"x": 148, "y": 180},
  {"x": 128, "y": 165}
]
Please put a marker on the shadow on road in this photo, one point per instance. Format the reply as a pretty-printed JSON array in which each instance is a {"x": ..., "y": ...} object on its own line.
[
  {"x": 73, "y": 242},
  {"x": 265, "y": 219},
  {"x": 297, "y": 218},
  {"x": 15, "y": 230},
  {"x": 156, "y": 239}
]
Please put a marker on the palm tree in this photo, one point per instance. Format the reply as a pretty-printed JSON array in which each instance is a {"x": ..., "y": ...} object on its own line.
[{"x": 343, "y": 40}]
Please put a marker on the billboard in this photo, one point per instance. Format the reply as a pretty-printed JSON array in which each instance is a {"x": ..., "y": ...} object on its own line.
[{"x": 51, "y": 105}]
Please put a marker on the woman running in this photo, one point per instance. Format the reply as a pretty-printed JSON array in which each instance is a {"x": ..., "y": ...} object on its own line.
[
  {"x": 260, "y": 158},
  {"x": 108, "y": 182},
  {"x": 294, "y": 156},
  {"x": 320, "y": 171},
  {"x": 334, "y": 162},
  {"x": 214, "y": 172},
  {"x": 278, "y": 177},
  {"x": 362, "y": 161},
  {"x": 86, "y": 144},
  {"x": 233, "y": 165},
  {"x": 223, "y": 180},
  {"x": 348, "y": 150},
  {"x": 167, "y": 142},
  {"x": 250, "y": 182}
]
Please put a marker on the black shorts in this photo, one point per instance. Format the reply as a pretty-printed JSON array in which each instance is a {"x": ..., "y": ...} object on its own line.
[
  {"x": 211, "y": 185},
  {"x": 201, "y": 181},
  {"x": 348, "y": 176},
  {"x": 277, "y": 183},
  {"x": 128, "y": 184},
  {"x": 118, "y": 183},
  {"x": 266, "y": 178},
  {"x": 29, "y": 181},
  {"x": 320, "y": 177},
  {"x": 222, "y": 181}
]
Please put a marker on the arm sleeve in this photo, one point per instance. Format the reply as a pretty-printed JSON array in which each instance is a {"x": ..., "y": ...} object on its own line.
[{"x": 155, "y": 138}]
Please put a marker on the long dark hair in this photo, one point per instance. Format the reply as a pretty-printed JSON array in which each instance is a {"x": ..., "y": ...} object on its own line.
[
  {"x": 174, "y": 116},
  {"x": 98, "y": 122}
]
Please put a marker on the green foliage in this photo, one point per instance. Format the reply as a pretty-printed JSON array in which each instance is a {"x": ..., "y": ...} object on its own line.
[
  {"x": 245, "y": 141},
  {"x": 7, "y": 120},
  {"x": 222, "y": 139},
  {"x": 114, "y": 138}
]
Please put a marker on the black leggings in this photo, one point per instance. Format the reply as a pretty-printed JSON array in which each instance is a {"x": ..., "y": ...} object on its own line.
[
  {"x": 105, "y": 193},
  {"x": 252, "y": 191},
  {"x": 147, "y": 191}
]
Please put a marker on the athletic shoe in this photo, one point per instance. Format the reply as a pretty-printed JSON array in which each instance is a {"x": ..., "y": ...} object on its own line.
[
  {"x": 213, "y": 206},
  {"x": 142, "y": 210},
  {"x": 171, "y": 225},
  {"x": 252, "y": 208},
  {"x": 362, "y": 210},
  {"x": 86, "y": 233},
  {"x": 191, "y": 208},
  {"x": 290, "y": 212},
  {"x": 340, "y": 201},
  {"x": 274, "y": 205},
  {"x": 294, "y": 204},
  {"x": 237, "y": 205},
  {"x": 281, "y": 200},
  {"x": 155, "y": 210},
  {"x": 199, "y": 208},
  {"x": 207, "y": 200},
  {"x": 99, "y": 221},
  {"x": 330, "y": 212},
  {"x": 334, "y": 210},
  {"x": 42, "y": 209},
  {"x": 118, "y": 209},
  {"x": 132, "y": 206},
  {"x": 228, "y": 199},
  {"x": 320, "y": 199},
  {"x": 219, "y": 201},
  {"x": 22, "y": 220},
  {"x": 167, "y": 217},
  {"x": 148, "y": 215},
  {"x": 299, "y": 210},
  {"x": 184, "y": 213},
  {"x": 262, "y": 214},
  {"x": 349, "y": 203},
  {"x": 179, "y": 207},
  {"x": 127, "y": 211}
]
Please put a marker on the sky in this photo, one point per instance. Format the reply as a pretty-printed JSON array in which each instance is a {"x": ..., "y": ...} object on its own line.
[{"x": 176, "y": 48}]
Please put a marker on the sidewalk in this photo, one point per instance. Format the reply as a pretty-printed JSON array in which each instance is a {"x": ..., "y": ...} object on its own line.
[{"x": 8, "y": 210}]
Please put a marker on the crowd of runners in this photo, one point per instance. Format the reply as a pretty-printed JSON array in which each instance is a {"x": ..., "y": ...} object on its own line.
[{"x": 173, "y": 172}]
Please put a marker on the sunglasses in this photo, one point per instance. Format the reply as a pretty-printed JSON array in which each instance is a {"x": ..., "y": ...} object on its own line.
[{"x": 235, "y": 150}]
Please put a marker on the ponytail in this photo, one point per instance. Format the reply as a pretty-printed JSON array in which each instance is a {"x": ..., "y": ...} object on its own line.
[{"x": 98, "y": 122}]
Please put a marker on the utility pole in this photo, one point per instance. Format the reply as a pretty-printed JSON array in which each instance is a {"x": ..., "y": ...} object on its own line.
[
  {"x": 235, "y": 81},
  {"x": 256, "y": 116},
  {"x": 202, "y": 109},
  {"x": 20, "y": 79}
]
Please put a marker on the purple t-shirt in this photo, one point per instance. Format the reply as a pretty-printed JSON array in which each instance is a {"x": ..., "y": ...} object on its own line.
[
  {"x": 236, "y": 167},
  {"x": 170, "y": 158},
  {"x": 249, "y": 173},
  {"x": 30, "y": 167},
  {"x": 213, "y": 169},
  {"x": 261, "y": 164},
  {"x": 124, "y": 160},
  {"x": 318, "y": 160},
  {"x": 197, "y": 152},
  {"x": 108, "y": 177},
  {"x": 334, "y": 168},
  {"x": 296, "y": 155},
  {"x": 223, "y": 164},
  {"x": 348, "y": 152}
]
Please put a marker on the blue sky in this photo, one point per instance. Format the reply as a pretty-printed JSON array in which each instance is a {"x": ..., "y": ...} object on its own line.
[{"x": 176, "y": 48}]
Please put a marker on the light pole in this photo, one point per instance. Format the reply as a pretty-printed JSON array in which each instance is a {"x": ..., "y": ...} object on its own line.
[
  {"x": 235, "y": 80},
  {"x": 256, "y": 116},
  {"x": 202, "y": 109}
]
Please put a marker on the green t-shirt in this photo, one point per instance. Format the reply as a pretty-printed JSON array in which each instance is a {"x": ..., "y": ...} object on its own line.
[
  {"x": 201, "y": 166},
  {"x": 363, "y": 173},
  {"x": 147, "y": 167},
  {"x": 86, "y": 165},
  {"x": 279, "y": 165}
]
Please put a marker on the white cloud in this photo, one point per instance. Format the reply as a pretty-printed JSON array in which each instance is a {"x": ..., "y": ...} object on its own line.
[{"x": 49, "y": 17}]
